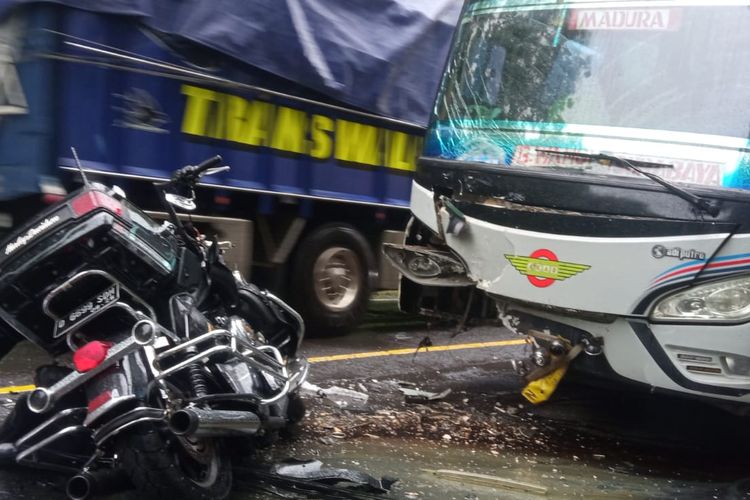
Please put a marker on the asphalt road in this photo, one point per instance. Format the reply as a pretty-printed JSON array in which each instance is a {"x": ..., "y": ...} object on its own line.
[{"x": 585, "y": 442}]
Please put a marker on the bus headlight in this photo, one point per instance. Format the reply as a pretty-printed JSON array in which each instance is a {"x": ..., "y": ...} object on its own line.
[
  {"x": 428, "y": 266},
  {"x": 423, "y": 266},
  {"x": 727, "y": 300}
]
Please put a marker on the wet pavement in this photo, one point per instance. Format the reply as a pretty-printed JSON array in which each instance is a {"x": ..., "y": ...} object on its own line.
[{"x": 586, "y": 442}]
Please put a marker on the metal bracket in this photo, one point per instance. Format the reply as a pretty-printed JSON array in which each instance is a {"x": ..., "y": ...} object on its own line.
[
  {"x": 44, "y": 398},
  {"x": 278, "y": 254}
]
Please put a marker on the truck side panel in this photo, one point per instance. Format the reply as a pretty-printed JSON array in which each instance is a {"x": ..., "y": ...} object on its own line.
[
  {"x": 144, "y": 119},
  {"x": 26, "y": 131}
]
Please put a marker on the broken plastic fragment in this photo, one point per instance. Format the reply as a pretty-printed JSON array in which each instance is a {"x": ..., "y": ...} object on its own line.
[
  {"x": 420, "y": 396},
  {"x": 339, "y": 396},
  {"x": 313, "y": 470}
]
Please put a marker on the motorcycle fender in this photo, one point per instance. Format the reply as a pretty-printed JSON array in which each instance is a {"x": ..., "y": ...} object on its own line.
[
  {"x": 116, "y": 389},
  {"x": 240, "y": 377}
]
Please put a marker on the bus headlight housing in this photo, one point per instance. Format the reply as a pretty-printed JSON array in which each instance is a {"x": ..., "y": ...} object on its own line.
[
  {"x": 428, "y": 266},
  {"x": 726, "y": 300}
]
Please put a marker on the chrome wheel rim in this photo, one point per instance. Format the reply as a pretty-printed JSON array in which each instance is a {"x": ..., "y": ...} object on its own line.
[
  {"x": 337, "y": 277},
  {"x": 199, "y": 460}
]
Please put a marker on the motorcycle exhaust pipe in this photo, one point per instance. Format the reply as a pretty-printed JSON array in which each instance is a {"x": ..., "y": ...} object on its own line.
[
  {"x": 196, "y": 422},
  {"x": 86, "y": 485}
]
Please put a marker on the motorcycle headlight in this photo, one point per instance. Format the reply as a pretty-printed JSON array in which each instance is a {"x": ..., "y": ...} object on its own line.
[{"x": 727, "y": 300}]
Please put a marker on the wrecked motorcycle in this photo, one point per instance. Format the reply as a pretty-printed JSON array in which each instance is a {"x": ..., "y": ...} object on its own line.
[{"x": 173, "y": 353}]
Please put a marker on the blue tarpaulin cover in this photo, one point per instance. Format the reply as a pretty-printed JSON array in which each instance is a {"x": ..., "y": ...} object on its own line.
[{"x": 384, "y": 56}]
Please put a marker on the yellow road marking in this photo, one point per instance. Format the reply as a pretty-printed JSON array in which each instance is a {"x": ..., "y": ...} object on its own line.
[
  {"x": 354, "y": 355},
  {"x": 16, "y": 388},
  {"x": 402, "y": 352}
]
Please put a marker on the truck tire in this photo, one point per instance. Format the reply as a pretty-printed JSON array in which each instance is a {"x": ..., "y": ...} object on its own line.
[{"x": 330, "y": 281}]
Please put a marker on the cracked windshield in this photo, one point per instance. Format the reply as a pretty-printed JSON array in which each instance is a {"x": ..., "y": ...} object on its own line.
[
  {"x": 382, "y": 249},
  {"x": 525, "y": 78}
]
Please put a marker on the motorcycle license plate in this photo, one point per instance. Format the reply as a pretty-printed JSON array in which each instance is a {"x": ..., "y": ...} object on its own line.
[{"x": 87, "y": 310}]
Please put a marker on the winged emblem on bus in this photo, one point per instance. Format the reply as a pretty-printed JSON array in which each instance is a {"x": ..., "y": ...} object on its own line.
[{"x": 542, "y": 267}]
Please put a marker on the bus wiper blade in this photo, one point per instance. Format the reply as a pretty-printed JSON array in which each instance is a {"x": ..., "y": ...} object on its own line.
[
  {"x": 705, "y": 205},
  {"x": 607, "y": 159}
]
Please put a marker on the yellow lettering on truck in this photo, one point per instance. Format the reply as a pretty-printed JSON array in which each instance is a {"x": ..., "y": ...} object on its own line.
[
  {"x": 357, "y": 143},
  {"x": 320, "y": 132},
  {"x": 290, "y": 130},
  {"x": 196, "y": 109},
  {"x": 263, "y": 124}
]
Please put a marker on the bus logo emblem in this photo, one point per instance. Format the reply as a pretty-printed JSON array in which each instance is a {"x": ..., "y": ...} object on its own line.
[{"x": 542, "y": 268}]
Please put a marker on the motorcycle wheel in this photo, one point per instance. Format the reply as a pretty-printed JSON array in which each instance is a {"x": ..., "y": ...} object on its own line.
[{"x": 181, "y": 468}]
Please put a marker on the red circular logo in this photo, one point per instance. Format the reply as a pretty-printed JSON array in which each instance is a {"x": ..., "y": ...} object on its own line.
[{"x": 543, "y": 254}]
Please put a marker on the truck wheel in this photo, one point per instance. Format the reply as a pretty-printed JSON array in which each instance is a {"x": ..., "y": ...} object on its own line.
[{"x": 331, "y": 280}]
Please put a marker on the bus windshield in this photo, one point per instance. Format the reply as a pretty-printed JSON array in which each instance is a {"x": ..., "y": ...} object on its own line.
[{"x": 666, "y": 81}]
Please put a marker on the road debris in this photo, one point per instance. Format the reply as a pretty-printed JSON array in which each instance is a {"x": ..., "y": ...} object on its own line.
[
  {"x": 425, "y": 344},
  {"x": 419, "y": 396},
  {"x": 488, "y": 481},
  {"x": 494, "y": 424},
  {"x": 425, "y": 421},
  {"x": 327, "y": 484},
  {"x": 313, "y": 470},
  {"x": 338, "y": 396}
]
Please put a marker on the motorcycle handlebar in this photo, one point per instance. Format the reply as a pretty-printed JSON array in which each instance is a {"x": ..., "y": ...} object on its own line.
[
  {"x": 192, "y": 173},
  {"x": 208, "y": 164}
]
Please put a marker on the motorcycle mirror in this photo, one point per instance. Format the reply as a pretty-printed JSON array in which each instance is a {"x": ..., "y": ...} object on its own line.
[
  {"x": 118, "y": 193},
  {"x": 182, "y": 202},
  {"x": 217, "y": 170}
]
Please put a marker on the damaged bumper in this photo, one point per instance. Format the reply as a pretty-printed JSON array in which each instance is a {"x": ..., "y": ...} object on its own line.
[
  {"x": 572, "y": 287},
  {"x": 673, "y": 358}
]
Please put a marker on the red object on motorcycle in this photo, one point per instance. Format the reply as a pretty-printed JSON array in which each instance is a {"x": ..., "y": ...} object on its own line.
[
  {"x": 99, "y": 401},
  {"x": 52, "y": 198},
  {"x": 91, "y": 200},
  {"x": 91, "y": 355}
]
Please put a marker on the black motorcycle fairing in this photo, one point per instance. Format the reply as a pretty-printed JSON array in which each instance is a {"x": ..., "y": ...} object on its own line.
[
  {"x": 190, "y": 274},
  {"x": 223, "y": 283},
  {"x": 267, "y": 317},
  {"x": 187, "y": 320}
]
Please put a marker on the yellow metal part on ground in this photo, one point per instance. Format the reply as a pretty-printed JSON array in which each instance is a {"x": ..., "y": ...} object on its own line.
[{"x": 539, "y": 390}]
